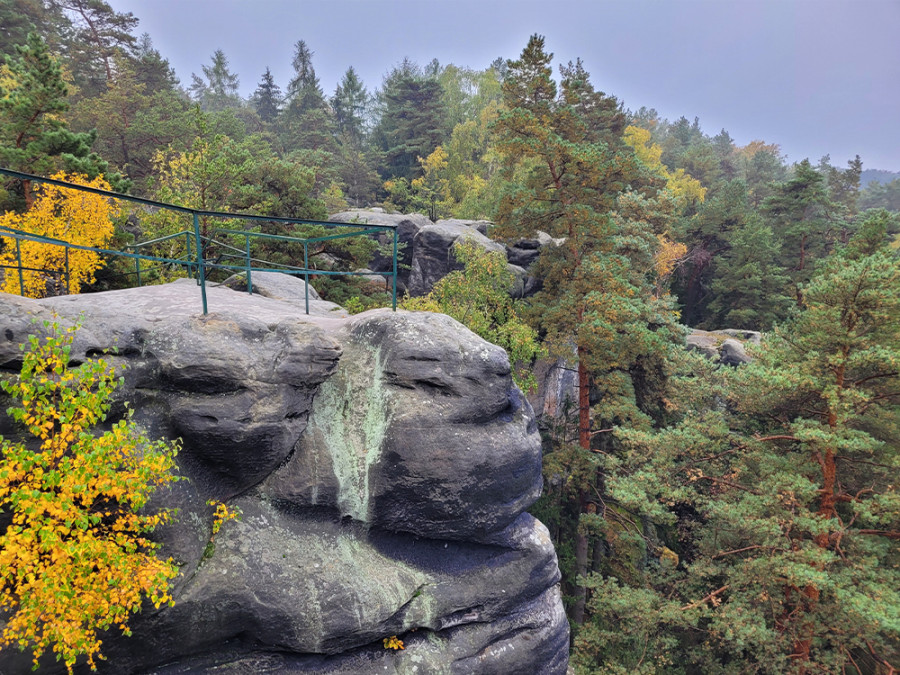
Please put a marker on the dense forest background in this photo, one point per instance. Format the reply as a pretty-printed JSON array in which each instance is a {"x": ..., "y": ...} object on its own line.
[{"x": 708, "y": 519}]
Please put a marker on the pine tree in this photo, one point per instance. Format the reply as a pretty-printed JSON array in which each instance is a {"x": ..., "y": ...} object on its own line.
[
  {"x": 843, "y": 184},
  {"x": 267, "y": 98},
  {"x": 805, "y": 219},
  {"x": 351, "y": 107},
  {"x": 18, "y": 18},
  {"x": 881, "y": 196},
  {"x": 412, "y": 122},
  {"x": 723, "y": 146},
  {"x": 100, "y": 32},
  {"x": 596, "y": 307},
  {"x": 776, "y": 492},
  {"x": 151, "y": 69},
  {"x": 748, "y": 288},
  {"x": 219, "y": 91},
  {"x": 307, "y": 123},
  {"x": 33, "y": 136},
  {"x": 709, "y": 235}
]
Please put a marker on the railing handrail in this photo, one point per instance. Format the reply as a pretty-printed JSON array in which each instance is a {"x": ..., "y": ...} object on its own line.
[
  {"x": 199, "y": 262},
  {"x": 185, "y": 209}
]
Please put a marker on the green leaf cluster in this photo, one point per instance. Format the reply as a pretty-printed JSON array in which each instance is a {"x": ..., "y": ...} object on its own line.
[{"x": 478, "y": 297}]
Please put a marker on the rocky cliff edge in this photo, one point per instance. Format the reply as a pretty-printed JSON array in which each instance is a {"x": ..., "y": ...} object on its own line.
[{"x": 382, "y": 463}]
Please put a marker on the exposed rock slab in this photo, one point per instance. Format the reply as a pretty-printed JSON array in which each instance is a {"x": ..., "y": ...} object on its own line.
[
  {"x": 525, "y": 251},
  {"x": 382, "y": 462}
]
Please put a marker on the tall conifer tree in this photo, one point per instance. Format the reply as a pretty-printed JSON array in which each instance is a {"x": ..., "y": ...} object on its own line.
[
  {"x": 267, "y": 98},
  {"x": 33, "y": 136},
  {"x": 307, "y": 122},
  {"x": 596, "y": 306},
  {"x": 219, "y": 91}
]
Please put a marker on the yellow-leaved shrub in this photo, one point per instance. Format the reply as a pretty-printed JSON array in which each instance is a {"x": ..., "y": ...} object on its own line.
[
  {"x": 65, "y": 214},
  {"x": 75, "y": 558}
]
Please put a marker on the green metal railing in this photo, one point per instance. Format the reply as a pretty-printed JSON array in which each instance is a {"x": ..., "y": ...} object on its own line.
[{"x": 197, "y": 245}]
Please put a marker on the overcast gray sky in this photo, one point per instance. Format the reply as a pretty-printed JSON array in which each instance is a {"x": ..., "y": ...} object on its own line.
[{"x": 815, "y": 76}]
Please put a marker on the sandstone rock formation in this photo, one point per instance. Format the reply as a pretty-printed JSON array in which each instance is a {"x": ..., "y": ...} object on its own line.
[
  {"x": 525, "y": 251},
  {"x": 425, "y": 253},
  {"x": 383, "y": 464},
  {"x": 408, "y": 227},
  {"x": 433, "y": 252},
  {"x": 723, "y": 346}
]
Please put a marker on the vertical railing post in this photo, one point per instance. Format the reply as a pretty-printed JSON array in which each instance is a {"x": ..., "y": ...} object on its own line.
[
  {"x": 137, "y": 266},
  {"x": 201, "y": 263},
  {"x": 188, "y": 249},
  {"x": 19, "y": 263},
  {"x": 306, "y": 271},
  {"x": 394, "y": 301},
  {"x": 67, "y": 271},
  {"x": 249, "y": 280}
]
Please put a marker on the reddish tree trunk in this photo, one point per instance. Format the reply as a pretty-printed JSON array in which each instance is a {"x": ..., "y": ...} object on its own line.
[
  {"x": 584, "y": 440},
  {"x": 827, "y": 510},
  {"x": 29, "y": 197},
  {"x": 584, "y": 403}
]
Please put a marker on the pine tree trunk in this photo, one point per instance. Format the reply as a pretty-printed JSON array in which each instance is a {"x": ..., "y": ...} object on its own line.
[
  {"x": 584, "y": 403},
  {"x": 827, "y": 510},
  {"x": 584, "y": 440},
  {"x": 581, "y": 569},
  {"x": 29, "y": 197}
]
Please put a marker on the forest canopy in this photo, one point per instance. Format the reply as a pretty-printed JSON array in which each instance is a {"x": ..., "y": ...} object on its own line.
[{"x": 707, "y": 519}]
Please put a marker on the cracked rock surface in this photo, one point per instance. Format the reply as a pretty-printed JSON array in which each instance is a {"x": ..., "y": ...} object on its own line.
[{"x": 382, "y": 462}]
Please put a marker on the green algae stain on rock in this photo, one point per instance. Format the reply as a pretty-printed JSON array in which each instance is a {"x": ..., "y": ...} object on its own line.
[{"x": 352, "y": 414}]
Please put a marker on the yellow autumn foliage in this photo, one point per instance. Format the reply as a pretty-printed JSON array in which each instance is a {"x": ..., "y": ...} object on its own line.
[
  {"x": 393, "y": 642},
  {"x": 668, "y": 255},
  {"x": 681, "y": 184},
  {"x": 75, "y": 559},
  {"x": 73, "y": 216}
]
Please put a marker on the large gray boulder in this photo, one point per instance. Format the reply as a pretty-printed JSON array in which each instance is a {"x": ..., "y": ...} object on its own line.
[
  {"x": 524, "y": 252},
  {"x": 433, "y": 258},
  {"x": 382, "y": 462},
  {"x": 287, "y": 287},
  {"x": 408, "y": 226},
  {"x": 480, "y": 225},
  {"x": 724, "y": 346}
]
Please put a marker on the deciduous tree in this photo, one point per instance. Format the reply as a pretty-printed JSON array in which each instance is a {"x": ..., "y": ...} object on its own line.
[
  {"x": 64, "y": 214},
  {"x": 132, "y": 121},
  {"x": 76, "y": 559},
  {"x": 478, "y": 297}
]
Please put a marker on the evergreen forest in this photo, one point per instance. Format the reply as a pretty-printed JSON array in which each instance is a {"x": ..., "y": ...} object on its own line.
[{"x": 708, "y": 519}]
